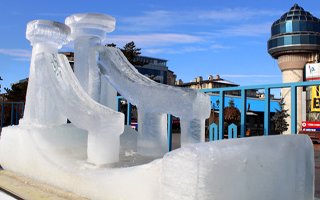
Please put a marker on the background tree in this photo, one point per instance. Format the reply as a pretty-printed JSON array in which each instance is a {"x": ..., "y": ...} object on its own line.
[
  {"x": 279, "y": 118},
  {"x": 111, "y": 45},
  {"x": 17, "y": 92},
  {"x": 231, "y": 114},
  {"x": 130, "y": 51}
]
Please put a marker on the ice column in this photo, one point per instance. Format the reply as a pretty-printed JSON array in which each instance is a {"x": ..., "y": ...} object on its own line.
[
  {"x": 44, "y": 36},
  {"x": 152, "y": 137},
  {"x": 88, "y": 30},
  {"x": 192, "y": 130}
]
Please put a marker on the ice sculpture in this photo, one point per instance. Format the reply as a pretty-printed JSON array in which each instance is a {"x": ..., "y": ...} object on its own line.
[
  {"x": 153, "y": 99},
  {"x": 88, "y": 30},
  {"x": 104, "y": 125},
  {"x": 273, "y": 167}
]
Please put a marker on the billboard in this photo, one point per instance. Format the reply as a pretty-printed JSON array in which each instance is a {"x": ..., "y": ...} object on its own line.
[
  {"x": 315, "y": 98},
  {"x": 312, "y": 71}
]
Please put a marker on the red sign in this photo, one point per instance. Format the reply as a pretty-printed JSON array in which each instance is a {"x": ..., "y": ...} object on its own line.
[{"x": 313, "y": 125}]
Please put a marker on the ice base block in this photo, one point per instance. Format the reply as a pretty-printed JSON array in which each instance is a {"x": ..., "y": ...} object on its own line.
[{"x": 264, "y": 168}]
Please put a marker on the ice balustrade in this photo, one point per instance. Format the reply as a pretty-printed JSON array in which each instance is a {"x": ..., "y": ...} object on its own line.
[
  {"x": 151, "y": 98},
  {"x": 154, "y": 101},
  {"x": 52, "y": 75}
]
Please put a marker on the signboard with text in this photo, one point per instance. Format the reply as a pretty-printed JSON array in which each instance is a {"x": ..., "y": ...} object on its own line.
[
  {"x": 310, "y": 126},
  {"x": 315, "y": 98},
  {"x": 312, "y": 71}
]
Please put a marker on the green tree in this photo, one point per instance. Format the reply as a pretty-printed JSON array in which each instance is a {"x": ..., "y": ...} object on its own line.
[
  {"x": 130, "y": 51},
  {"x": 111, "y": 45},
  {"x": 279, "y": 118},
  {"x": 231, "y": 114},
  {"x": 17, "y": 92}
]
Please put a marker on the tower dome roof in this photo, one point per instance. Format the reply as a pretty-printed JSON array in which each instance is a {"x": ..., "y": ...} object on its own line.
[
  {"x": 296, "y": 13},
  {"x": 297, "y": 31}
]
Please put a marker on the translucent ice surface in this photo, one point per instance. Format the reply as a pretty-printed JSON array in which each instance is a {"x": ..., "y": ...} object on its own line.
[
  {"x": 88, "y": 30},
  {"x": 264, "y": 168},
  {"x": 104, "y": 124},
  {"x": 154, "y": 101},
  {"x": 144, "y": 92}
]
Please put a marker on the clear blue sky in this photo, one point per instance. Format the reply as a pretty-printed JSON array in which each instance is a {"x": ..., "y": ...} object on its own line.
[{"x": 198, "y": 38}]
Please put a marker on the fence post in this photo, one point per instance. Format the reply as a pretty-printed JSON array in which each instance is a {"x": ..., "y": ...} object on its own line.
[
  {"x": 232, "y": 131},
  {"x": 128, "y": 113},
  {"x": 22, "y": 109},
  {"x": 2, "y": 114},
  {"x": 118, "y": 104},
  {"x": 169, "y": 132},
  {"x": 213, "y": 132},
  {"x": 221, "y": 115},
  {"x": 12, "y": 113},
  {"x": 243, "y": 119},
  {"x": 293, "y": 109},
  {"x": 266, "y": 123},
  {"x": 17, "y": 114}
]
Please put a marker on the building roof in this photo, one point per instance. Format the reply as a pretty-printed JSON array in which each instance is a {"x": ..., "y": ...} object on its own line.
[
  {"x": 297, "y": 31},
  {"x": 296, "y": 13},
  {"x": 220, "y": 80}
]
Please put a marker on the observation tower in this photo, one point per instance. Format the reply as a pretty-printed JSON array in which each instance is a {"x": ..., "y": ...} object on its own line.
[{"x": 295, "y": 41}]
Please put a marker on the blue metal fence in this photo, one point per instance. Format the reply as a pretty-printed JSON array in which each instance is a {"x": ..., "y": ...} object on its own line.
[
  {"x": 11, "y": 112},
  {"x": 267, "y": 88},
  {"x": 216, "y": 132}
]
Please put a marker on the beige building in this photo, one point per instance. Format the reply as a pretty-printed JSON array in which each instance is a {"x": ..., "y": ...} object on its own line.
[{"x": 214, "y": 82}]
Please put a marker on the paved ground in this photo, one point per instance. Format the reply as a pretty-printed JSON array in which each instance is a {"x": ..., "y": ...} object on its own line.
[{"x": 26, "y": 188}]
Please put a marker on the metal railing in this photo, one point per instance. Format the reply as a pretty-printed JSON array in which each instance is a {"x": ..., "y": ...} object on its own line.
[
  {"x": 11, "y": 112},
  {"x": 217, "y": 133},
  {"x": 293, "y": 87}
]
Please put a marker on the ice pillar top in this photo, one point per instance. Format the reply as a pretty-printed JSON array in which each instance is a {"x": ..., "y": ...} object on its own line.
[
  {"x": 88, "y": 30},
  {"x": 48, "y": 32},
  {"x": 90, "y": 24}
]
